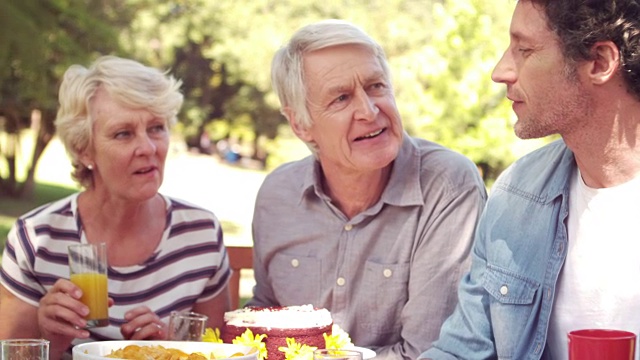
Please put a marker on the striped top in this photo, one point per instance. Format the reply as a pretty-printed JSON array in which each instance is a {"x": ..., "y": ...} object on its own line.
[{"x": 190, "y": 264}]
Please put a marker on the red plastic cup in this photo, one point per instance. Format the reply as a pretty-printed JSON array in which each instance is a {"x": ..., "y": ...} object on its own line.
[{"x": 598, "y": 344}]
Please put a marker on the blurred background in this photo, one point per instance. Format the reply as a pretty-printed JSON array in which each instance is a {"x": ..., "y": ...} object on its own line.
[{"x": 230, "y": 132}]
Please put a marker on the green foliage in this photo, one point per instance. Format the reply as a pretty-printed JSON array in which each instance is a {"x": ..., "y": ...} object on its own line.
[
  {"x": 38, "y": 41},
  {"x": 445, "y": 90}
]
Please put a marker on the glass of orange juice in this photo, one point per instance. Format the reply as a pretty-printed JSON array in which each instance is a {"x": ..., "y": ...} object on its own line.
[{"x": 88, "y": 271}]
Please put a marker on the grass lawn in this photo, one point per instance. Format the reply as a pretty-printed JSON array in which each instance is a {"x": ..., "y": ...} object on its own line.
[
  {"x": 10, "y": 209},
  {"x": 5, "y": 225}
]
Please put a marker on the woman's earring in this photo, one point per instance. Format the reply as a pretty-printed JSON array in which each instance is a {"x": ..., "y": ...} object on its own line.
[{"x": 90, "y": 166}]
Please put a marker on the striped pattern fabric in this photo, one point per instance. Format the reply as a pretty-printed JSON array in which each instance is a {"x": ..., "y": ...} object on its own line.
[{"x": 190, "y": 264}]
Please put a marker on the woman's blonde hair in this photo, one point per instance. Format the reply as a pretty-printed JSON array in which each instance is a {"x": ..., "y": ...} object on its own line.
[{"x": 128, "y": 82}]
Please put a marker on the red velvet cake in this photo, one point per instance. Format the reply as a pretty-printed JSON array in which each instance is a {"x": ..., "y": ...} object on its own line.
[{"x": 303, "y": 323}]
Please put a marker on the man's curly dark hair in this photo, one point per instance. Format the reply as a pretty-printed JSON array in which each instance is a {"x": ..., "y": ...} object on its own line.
[{"x": 581, "y": 23}]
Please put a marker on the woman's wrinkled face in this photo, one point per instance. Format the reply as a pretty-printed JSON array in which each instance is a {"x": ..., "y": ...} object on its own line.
[{"x": 128, "y": 150}]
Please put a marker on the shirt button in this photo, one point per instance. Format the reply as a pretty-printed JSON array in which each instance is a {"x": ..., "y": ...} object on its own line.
[
  {"x": 387, "y": 273},
  {"x": 348, "y": 227},
  {"x": 295, "y": 263},
  {"x": 504, "y": 290},
  {"x": 341, "y": 281}
]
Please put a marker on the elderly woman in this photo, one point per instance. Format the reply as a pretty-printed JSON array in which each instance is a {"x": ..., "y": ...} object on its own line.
[{"x": 164, "y": 254}]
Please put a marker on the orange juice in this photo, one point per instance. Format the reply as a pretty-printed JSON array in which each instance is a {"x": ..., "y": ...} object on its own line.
[{"x": 94, "y": 295}]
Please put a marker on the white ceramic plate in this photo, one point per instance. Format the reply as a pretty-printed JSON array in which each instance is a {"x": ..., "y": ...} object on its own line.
[
  {"x": 99, "y": 349},
  {"x": 366, "y": 353}
]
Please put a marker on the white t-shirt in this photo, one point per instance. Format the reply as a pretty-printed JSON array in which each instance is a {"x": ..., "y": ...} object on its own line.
[{"x": 599, "y": 285}]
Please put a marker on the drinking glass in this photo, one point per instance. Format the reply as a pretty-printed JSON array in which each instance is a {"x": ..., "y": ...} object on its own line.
[
  {"x": 336, "y": 354},
  {"x": 186, "y": 326},
  {"x": 24, "y": 349},
  {"x": 88, "y": 270},
  {"x": 592, "y": 344}
]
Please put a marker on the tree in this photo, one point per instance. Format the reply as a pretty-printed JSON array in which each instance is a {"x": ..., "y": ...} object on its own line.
[
  {"x": 444, "y": 85},
  {"x": 38, "y": 41}
]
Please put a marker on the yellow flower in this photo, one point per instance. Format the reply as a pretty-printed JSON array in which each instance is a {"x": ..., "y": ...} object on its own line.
[
  {"x": 211, "y": 335},
  {"x": 339, "y": 339},
  {"x": 295, "y": 351},
  {"x": 247, "y": 339}
]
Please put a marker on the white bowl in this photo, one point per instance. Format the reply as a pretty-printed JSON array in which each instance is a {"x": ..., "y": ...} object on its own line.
[
  {"x": 366, "y": 353},
  {"x": 99, "y": 349}
]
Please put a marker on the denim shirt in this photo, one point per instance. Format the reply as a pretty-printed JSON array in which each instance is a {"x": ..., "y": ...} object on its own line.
[{"x": 505, "y": 300}]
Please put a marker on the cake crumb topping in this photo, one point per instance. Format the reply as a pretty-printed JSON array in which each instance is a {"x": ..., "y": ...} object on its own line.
[{"x": 279, "y": 317}]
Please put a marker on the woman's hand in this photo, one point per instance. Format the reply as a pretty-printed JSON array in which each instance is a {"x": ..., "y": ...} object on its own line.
[
  {"x": 61, "y": 316},
  {"x": 143, "y": 324}
]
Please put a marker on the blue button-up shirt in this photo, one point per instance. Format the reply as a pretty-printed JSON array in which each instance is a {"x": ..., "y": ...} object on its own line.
[{"x": 505, "y": 301}]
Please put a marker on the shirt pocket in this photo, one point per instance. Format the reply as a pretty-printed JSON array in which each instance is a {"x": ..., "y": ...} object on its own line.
[
  {"x": 296, "y": 279},
  {"x": 511, "y": 302},
  {"x": 385, "y": 289}
]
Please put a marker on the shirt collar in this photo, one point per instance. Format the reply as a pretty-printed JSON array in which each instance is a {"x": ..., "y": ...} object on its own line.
[
  {"x": 543, "y": 175},
  {"x": 403, "y": 189}
]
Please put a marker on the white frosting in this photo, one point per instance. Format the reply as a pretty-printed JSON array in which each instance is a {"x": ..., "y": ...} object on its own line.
[{"x": 288, "y": 317}]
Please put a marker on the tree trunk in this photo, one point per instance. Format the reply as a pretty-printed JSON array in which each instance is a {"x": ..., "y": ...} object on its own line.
[
  {"x": 9, "y": 185},
  {"x": 43, "y": 130}
]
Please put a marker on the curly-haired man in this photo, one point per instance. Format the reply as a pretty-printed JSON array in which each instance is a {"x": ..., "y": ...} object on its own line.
[{"x": 557, "y": 248}]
